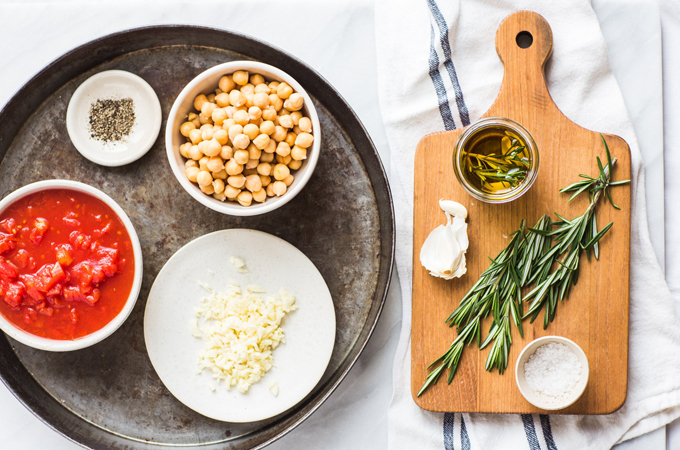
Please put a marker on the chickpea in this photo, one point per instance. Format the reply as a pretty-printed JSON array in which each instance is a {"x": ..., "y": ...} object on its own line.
[
  {"x": 255, "y": 113},
  {"x": 304, "y": 140},
  {"x": 266, "y": 157},
  {"x": 233, "y": 168},
  {"x": 190, "y": 163},
  {"x": 184, "y": 149},
  {"x": 294, "y": 102},
  {"x": 306, "y": 124},
  {"x": 221, "y": 175},
  {"x": 208, "y": 189},
  {"x": 261, "y": 141},
  {"x": 273, "y": 85},
  {"x": 237, "y": 181},
  {"x": 241, "y": 117},
  {"x": 284, "y": 159},
  {"x": 240, "y": 77},
  {"x": 269, "y": 113},
  {"x": 286, "y": 121},
  {"x": 260, "y": 196},
  {"x": 254, "y": 152},
  {"x": 193, "y": 118},
  {"x": 221, "y": 196},
  {"x": 297, "y": 130},
  {"x": 290, "y": 138},
  {"x": 211, "y": 98},
  {"x": 222, "y": 100},
  {"x": 256, "y": 79},
  {"x": 267, "y": 127},
  {"x": 186, "y": 127},
  {"x": 298, "y": 153},
  {"x": 199, "y": 100},
  {"x": 245, "y": 198},
  {"x": 279, "y": 188},
  {"x": 226, "y": 83},
  {"x": 283, "y": 149},
  {"x": 251, "y": 166},
  {"x": 253, "y": 183},
  {"x": 284, "y": 90},
  {"x": 271, "y": 147},
  {"x": 234, "y": 131},
  {"x": 284, "y": 112},
  {"x": 207, "y": 109},
  {"x": 265, "y": 180},
  {"x": 270, "y": 190},
  {"x": 276, "y": 101},
  {"x": 241, "y": 156},
  {"x": 195, "y": 136},
  {"x": 195, "y": 153},
  {"x": 231, "y": 192},
  {"x": 264, "y": 168},
  {"x": 295, "y": 164},
  {"x": 237, "y": 98},
  {"x": 192, "y": 173},
  {"x": 202, "y": 120},
  {"x": 219, "y": 115},
  {"x": 228, "y": 123},
  {"x": 262, "y": 88},
  {"x": 212, "y": 148},
  {"x": 251, "y": 130},
  {"x": 226, "y": 153},
  {"x": 203, "y": 163},
  {"x": 241, "y": 141},
  {"x": 279, "y": 133},
  {"x": 204, "y": 178},
  {"x": 230, "y": 110},
  {"x": 289, "y": 180},
  {"x": 296, "y": 116},
  {"x": 215, "y": 164},
  {"x": 218, "y": 186},
  {"x": 248, "y": 88},
  {"x": 280, "y": 172},
  {"x": 201, "y": 146},
  {"x": 249, "y": 100},
  {"x": 221, "y": 136},
  {"x": 248, "y": 172},
  {"x": 261, "y": 100}
]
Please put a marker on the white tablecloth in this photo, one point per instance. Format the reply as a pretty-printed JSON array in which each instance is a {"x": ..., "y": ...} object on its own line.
[{"x": 338, "y": 41}]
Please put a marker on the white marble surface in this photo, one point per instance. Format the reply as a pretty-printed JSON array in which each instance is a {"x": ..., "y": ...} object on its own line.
[{"x": 338, "y": 43}]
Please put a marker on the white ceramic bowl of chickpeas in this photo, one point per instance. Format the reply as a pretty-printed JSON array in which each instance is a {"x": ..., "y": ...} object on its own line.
[{"x": 243, "y": 138}]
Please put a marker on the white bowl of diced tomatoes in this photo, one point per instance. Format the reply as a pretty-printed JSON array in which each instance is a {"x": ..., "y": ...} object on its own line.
[{"x": 70, "y": 265}]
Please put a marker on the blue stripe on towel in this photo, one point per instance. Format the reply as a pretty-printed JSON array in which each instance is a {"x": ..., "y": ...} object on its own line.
[
  {"x": 464, "y": 438},
  {"x": 530, "y": 431},
  {"x": 547, "y": 432},
  {"x": 444, "y": 108},
  {"x": 448, "y": 63},
  {"x": 448, "y": 431}
]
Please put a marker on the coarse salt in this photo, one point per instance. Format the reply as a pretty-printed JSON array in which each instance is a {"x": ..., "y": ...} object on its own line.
[{"x": 553, "y": 370}]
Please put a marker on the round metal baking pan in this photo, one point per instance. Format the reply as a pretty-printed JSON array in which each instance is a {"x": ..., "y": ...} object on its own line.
[{"x": 108, "y": 395}]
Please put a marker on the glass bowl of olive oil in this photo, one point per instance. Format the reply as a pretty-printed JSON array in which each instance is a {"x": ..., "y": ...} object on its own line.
[{"x": 496, "y": 160}]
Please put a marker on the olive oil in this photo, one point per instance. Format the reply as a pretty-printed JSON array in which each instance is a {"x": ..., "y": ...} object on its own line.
[{"x": 495, "y": 160}]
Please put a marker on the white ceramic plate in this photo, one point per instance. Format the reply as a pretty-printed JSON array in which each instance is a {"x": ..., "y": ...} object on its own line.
[
  {"x": 273, "y": 264},
  {"x": 116, "y": 84}
]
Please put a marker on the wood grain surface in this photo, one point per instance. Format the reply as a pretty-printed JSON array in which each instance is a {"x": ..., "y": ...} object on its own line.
[{"x": 595, "y": 315}]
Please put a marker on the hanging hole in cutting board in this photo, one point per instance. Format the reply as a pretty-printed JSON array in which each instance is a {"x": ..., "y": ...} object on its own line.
[{"x": 524, "y": 39}]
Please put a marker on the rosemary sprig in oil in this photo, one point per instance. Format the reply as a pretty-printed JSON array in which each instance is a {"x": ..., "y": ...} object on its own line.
[
  {"x": 509, "y": 167},
  {"x": 544, "y": 256}
]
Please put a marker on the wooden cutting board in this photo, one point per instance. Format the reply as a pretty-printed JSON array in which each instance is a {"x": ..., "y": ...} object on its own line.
[{"x": 595, "y": 315}]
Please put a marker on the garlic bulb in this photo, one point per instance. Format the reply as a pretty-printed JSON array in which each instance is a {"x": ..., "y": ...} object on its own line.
[{"x": 443, "y": 252}]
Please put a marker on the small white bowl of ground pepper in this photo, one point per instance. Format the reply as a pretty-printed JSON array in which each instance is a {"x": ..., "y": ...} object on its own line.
[{"x": 114, "y": 118}]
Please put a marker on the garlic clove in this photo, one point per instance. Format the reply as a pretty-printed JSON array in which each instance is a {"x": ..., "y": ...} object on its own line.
[{"x": 453, "y": 208}]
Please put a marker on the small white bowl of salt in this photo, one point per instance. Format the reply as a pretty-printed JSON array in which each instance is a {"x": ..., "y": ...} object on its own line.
[{"x": 552, "y": 372}]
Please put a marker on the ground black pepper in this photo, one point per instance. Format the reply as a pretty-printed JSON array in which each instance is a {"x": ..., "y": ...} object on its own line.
[{"x": 111, "y": 120}]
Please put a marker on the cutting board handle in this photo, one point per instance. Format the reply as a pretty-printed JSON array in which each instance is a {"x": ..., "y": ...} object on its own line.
[{"x": 524, "y": 44}]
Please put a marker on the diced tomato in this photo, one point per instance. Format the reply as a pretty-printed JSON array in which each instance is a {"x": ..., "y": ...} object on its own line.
[
  {"x": 7, "y": 242},
  {"x": 71, "y": 220},
  {"x": 104, "y": 231},
  {"x": 9, "y": 226},
  {"x": 8, "y": 271},
  {"x": 22, "y": 258},
  {"x": 93, "y": 297},
  {"x": 30, "y": 315},
  {"x": 80, "y": 240},
  {"x": 74, "y": 316},
  {"x": 64, "y": 254},
  {"x": 43, "y": 309},
  {"x": 108, "y": 258},
  {"x": 54, "y": 291},
  {"x": 39, "y": 229},
  {"x": 11, "y": 293}
]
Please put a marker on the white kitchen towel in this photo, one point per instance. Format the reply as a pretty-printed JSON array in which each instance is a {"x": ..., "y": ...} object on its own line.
[{"x": 438, "y": 70}]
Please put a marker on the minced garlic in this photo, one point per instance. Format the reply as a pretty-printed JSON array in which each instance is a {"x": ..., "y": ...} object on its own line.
[{"x": 240, "y": 334}]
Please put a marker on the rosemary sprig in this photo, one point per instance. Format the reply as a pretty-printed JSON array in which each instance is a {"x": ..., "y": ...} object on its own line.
[
  {"x": 508, "y": 168},
  {"x": 546, "y": 256}
]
